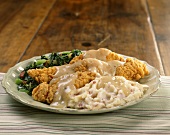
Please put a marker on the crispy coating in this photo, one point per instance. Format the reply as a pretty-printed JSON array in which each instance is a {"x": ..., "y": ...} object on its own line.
[
  {"x": 82, "y": 67},
  {"x": 84, "y": 78},
  {"x": 114, "y": 56},
  {"x": 42, "y": 75},
  {"x": 77, "y": 58},
  {"x": 44, "y": 92},
  {"x": 133, "y": 69}
]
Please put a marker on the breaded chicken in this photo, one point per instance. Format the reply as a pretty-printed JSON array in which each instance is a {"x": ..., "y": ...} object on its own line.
[
  {"x": 42, "y": 75},
  {"x": 114, "y": 56},
  {"x": 82, "y": 67},
  {"x": 44, "y": 92},
  {"x": 84, "y": 78},
  {"x": 77, "y": 58},
  {"x": 133, "y": 69}
]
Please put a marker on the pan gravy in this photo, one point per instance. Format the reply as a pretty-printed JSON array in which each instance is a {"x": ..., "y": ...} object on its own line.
[
  {"x": 66, "y": 78},
  {"x": 107, "y": 90}
]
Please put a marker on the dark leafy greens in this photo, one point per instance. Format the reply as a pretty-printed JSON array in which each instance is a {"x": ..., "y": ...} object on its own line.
[{"x": 26, "y": 84}]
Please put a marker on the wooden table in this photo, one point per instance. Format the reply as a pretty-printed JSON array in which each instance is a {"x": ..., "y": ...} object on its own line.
[{"x": 137, "y": 28}]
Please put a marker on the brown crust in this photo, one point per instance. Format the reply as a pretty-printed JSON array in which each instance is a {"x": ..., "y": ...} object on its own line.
[
  {"x": 133, "y": 69},
  {"x": 77, "y": 58},
  {"x": 84, "y": 78},
  {"x": 42, "y": 75},
  {"x": 114, "y": 56}
]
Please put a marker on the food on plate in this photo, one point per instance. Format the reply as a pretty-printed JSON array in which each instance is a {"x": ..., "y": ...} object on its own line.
[
  {"x": 104, "y": 92},
  {"x": 93, "y": 79},
  {"x": 42, "y": 75},
  {"x": 26, "y": 83},
  {"x": 44, "y": 92},
  {"x": 132, "y": 69}
]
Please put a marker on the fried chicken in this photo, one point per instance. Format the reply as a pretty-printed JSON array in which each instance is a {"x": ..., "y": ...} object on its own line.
[
  {"x": 114, "y": 56},
  {"x": 82, "y": 67},
  {"x": 77, "y": 58},
  {"x": 42, "y": 75},
  {"x": 44, "y": 92},
  {"x": 84, "y": 78},
  {"x": 133, "y": 69}
]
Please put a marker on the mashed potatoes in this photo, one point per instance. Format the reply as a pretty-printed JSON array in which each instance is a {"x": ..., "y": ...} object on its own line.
[{"x": 104, "y": 92}]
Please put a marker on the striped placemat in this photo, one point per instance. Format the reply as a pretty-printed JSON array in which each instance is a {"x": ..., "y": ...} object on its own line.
[{"x": 151, "y": 116}]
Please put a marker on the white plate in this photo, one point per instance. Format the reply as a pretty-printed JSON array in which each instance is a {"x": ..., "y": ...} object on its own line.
[{"x": 152, "y": 80}]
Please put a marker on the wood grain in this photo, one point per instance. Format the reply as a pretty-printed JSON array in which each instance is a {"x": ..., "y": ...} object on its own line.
[
  {"x": 160, "y": 13},
  {"x": 19, "y": 22},
  {"x": 83, "y": 25}
]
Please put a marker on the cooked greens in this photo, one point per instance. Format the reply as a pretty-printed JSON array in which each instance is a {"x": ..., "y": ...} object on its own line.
[{"x": 26, "y": 84}]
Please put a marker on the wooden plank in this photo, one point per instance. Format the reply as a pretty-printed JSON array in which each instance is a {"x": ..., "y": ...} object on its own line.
[
  {"x": 160, "y": 13},
  {"x": 19, "y": 22},
  {"x": 11, "y": 8},
  {"x": 64, "y": 29},
  {"x": 84, "y": 25}
]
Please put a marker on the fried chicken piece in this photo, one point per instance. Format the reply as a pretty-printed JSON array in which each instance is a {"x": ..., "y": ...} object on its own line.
[
  {"x": 82, "y": 67},
  {"x": 133, "y": 69},
  {"x": 42, "y": 75},
  {"x": 84, "y": 78},
  {"x": 77, "y": 58},
  {"x": 114, "y": 56},
  {"x": 44, "y": 92}
]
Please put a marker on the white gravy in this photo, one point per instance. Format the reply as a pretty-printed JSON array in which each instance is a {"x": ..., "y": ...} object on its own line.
[
  {"x": 99, "y": 54},
  {"x": 96, "y": 62},
  {"x": 67, "y": 76}
]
